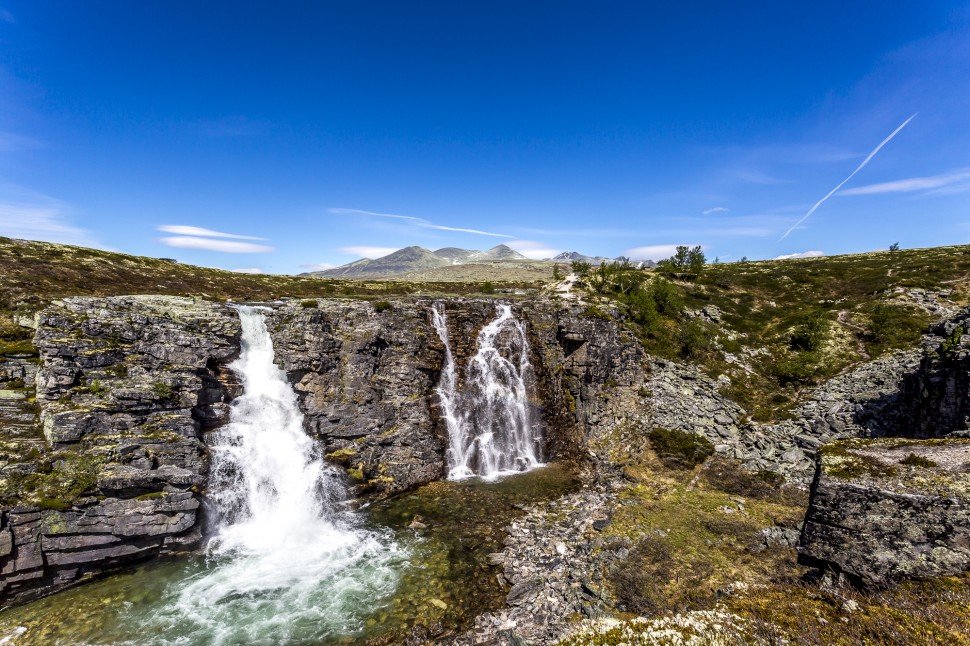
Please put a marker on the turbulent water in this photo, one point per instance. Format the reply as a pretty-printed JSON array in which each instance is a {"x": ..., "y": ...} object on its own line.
[
  {"x": 283, "y": 564},
  {"x": 491, "y": 431}
]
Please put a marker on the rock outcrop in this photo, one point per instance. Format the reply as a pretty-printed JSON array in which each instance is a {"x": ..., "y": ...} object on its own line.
[
  {"x": 938, "y": 393},
  {"x": 366, "y": 378},
  {"x": 887, "y": 510},
  {"x": 126, "y": 388}
]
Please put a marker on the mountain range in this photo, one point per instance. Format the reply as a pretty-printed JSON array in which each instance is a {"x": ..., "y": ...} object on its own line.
[{"x": 414, "y": 258}]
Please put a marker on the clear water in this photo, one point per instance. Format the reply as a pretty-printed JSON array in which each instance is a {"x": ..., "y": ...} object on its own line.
[
  {"x": 446, "y": 565},
  {"x": 287, "y": 564},
  {"x": 491, "y": 430}
]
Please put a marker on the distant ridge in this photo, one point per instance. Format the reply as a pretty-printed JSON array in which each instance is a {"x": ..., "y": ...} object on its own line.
[
  {"x": 575, "y": 256},
  {"x": 412, "y": 259}
]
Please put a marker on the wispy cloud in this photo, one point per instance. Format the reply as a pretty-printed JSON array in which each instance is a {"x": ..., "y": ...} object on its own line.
[
  {"x": 717, "y": 209},
  {"x": 7, "y": 17},
  {"x": 33, "y": 216},
  {"x": 532, "y": 249},
  {"x": 653, "y": 252},
  {"x": 247, "y": 270},
  {"x": 184, "y": 230},
  {"x": 365, "y": 251},
  {"x": 213, "y": 244},
  {"x": 959, "y": 179},
  {"x": 12, "y": 142},
  {"x": 319, "y": 266},
  {"x": 804, "y": 254},
  {"x": 418, "y": 222},
  {"x": 759, "y": 177},
  {"x": 851, "y": 175}
]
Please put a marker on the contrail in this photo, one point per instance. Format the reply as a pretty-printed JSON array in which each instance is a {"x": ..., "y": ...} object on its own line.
[
  {"x": 861, "y": 166},
  {"x": 419, "y": 222}
]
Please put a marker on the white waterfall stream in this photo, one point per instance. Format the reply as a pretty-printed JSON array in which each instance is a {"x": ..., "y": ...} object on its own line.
[
  {"x": 491, "y": 431},
  {"x": 284, "y": 565}
]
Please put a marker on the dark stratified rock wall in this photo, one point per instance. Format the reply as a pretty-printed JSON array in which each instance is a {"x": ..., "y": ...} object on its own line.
[
  {"x": 366, "y": 382},
  {"x": 126, "y": 386},
  {"x": 886, "y": 510},
  {"x": 938, "y": 394}
]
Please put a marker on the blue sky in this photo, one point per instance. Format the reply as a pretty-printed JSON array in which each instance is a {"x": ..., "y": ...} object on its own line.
[{"x": 313, "y": 134}]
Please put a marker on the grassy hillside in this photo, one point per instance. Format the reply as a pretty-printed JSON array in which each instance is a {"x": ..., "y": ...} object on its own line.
[
  {"x": 34, "y": 273},
  {"x": 785, "y": 325}
]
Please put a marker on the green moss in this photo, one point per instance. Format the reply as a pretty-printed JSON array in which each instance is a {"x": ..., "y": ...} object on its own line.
[
  {"x": 913, "y": 460},
  {"x": 592, "y": 311},
  {"x": 162, "y": 390},
  {"x": 59, "y": 480},
  {"x": 17, "y": 347},
  {"x": 839, "y": 461},
  {"x": 357, "y": 472}
]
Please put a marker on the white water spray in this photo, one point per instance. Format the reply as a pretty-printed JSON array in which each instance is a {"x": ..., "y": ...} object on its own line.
[
  {"x": 284, "y": 564},
  {"x": 491, "y": 431}
]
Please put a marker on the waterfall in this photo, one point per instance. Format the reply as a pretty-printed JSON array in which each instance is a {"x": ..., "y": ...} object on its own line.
[
  {"x": 490, "y": 427},
  {"x": 284, "y": 565}
]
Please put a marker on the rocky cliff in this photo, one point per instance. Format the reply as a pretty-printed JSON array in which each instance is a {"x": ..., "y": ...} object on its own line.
[
  {"x": 887, "y": 510},
  {"x": 125, "y": 387},
  {"x": 104, "y": 432}
]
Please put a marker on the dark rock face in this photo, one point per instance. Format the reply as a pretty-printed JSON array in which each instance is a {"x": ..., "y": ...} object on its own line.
[
  {"x": 126, "y": 387},
  {"x": 883, "y": 511},
  {"x": 367, "y": 379},
  {"x": 366, "y": 384},
  {"x": 939, "y": 392}
]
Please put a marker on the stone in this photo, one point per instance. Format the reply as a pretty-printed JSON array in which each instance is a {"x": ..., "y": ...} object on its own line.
[{"x": 881, "y": 516}]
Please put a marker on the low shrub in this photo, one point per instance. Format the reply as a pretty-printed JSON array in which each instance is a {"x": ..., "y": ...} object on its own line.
[
  {"x": 382, "y": 306},
  {"x": 650, "y": 581},
  {"x": 680, "y": 449},
  {"x": 894, "y": 326},
  {"x": 913, "y": 460},
  {"x": 730, "y": 477}
]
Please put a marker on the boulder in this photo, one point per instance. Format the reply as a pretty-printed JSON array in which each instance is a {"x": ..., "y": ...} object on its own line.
[{"x": 887, "y": 510}]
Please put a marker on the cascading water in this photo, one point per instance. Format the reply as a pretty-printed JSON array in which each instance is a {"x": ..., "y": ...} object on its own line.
[
  {"x": 491, "y": 432},
  {"x": 284, "y": 565}
]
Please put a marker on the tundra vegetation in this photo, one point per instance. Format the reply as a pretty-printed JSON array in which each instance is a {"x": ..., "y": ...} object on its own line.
[
  {"x": 771, "y": 329},
  {"x": 693, "y": 522}
]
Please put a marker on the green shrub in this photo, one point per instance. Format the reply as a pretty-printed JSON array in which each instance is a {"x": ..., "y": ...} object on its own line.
[
  {"x": 382, "y": 306},
  {"x": 162, "y": 390},
  {"x": 695, "y": 341},
  {"x": 488, "y": 287},
  {"x": 308, "y": 304},
  {"x": 798, "y": 368},
  {"x": 811, "y": 331},
  {"x": 97, "y": 388},
  {"x": 687, "y": 262},
  {"x": 913, "y": 460},
  {"x": 680, "y": 449},
  {"x": 730, "y": 477},
  {"x": 650, "y": 581},
  {"x": 951, "y": 344},
  {"x": 895, "y": 326},
  {"x": 581, "y": 268},
  {"x": 666, "y": 297}
]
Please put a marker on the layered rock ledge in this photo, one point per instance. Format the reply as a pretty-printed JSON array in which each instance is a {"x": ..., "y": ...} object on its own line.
[
  {"x": 126, "y": 387},
  {"x": 887, "y": 510}
]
